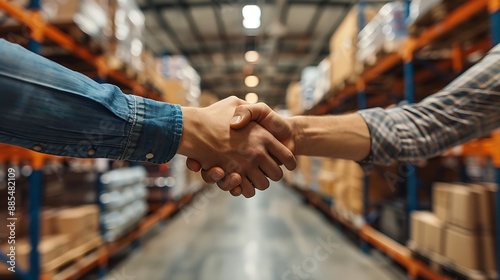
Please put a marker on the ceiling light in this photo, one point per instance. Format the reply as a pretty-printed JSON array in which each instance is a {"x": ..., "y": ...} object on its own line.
[
  {"x": 252, "y": 98},
  {"x": 252, "y": 56},
  {"x": 251, "y": 81},
  {"x": 251, "y": 11},
  {"x": 253, "y": 23},
  {"x": 251, "y": 16}
]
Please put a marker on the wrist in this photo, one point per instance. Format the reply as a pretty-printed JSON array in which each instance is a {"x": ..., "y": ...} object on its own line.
[
  {"x": 297, "y": 126},
  {"x": 191, "y": 123}
]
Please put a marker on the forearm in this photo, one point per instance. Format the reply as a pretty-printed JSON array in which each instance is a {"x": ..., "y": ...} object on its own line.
[
  {"x": 466, "y": 109},
  {"x": 344, "y": 136},
  {"x": 51, "y": 109}
]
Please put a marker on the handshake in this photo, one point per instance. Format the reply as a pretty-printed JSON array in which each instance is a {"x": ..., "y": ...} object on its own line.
[{"x": 238, "y": 145}]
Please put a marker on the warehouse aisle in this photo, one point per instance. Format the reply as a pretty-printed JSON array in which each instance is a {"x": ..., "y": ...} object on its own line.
[{"x": 272, "y": 236}]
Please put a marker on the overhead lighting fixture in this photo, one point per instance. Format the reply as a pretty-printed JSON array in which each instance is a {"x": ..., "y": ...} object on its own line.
[
  {"x": 251, "y": 81},
  {"x": 252, "y": 56},
  {"x": 252, "y": 98},
  {"x": 251, "y": 16},
  {"x": 251, "y": 11},
  {"x": 251, "y": 23}
]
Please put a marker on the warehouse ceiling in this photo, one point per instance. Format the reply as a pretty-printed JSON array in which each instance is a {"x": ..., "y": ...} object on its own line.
[{"x": 293, "y": 34}]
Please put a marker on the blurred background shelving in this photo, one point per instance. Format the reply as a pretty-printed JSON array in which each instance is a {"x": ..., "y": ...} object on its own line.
[{"x": 389, "y": 52}]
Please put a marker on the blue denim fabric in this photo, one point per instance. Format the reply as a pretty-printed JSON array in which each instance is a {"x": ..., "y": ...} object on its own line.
[{"x": 53, "y": 110}]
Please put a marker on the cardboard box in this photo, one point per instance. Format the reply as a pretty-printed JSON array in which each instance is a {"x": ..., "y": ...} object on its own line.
[
  {"x": 50, "y": 247},
  {"x": 467, "y": 206},
  {"x": 462, "y": 248},
  {"x": 417, "y": 228},
  {"x": 463, "y": 208},
  {"x": 434, "y": 234},
  {"x": 343, "y": 48},
  {"x": 486, "y": 205},
  {"x": 78, "y": 221},
  {"x": 48, "y": 222},
  {"x": 350, "y": 177},
  {"x": 174, "y": 92},
  {"x": 428, "y": 232},
  {"x": 440, "y": 200},
  {"x": 470, "y": 250}
]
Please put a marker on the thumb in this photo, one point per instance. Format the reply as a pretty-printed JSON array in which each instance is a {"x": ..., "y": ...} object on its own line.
[{"x": 243, "y": 114}]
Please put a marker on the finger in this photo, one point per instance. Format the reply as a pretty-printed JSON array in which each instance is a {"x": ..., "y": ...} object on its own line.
[
  {"x": 271, "y": 168},
  {"x": 236, "y": 191},
  {"x": 248, "y": 190},
  {"x": 264, "y": 115},
  {"x": 282, "y": 154},
  {"x": 193, "y": 165},
  {"x": 213, "y": 175},
  {"x": 258, "y": 179},
  {"x": 243, "y": 114},
  {"x": 229, "y": 182}
]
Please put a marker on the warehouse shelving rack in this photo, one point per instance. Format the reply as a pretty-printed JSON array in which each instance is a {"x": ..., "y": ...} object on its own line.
[
  {"x": 39, "y": 30},
  {"x": 98, "y": 259},
  {"x": 488, "y": 148}
]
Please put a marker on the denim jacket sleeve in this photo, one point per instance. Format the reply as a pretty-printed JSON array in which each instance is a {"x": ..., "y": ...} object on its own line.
[{"x": 51, "y": 109}]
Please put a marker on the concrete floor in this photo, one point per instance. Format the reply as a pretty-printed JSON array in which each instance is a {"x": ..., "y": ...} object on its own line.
[{"x": 272, "y": 236}]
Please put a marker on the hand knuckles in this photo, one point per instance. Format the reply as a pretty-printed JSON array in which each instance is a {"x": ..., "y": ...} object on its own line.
[{"x": 259, "y": 154}]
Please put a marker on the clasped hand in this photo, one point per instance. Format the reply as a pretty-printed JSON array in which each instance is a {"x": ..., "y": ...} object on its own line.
[{"x": 237, "y": 145}]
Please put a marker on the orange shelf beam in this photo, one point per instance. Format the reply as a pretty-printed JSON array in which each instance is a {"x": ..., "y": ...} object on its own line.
[
  {"x": 391, "y": 248},
  {"x": 488, "y": 147},
  {"x": 455, "y": 18},
  {"x": 38, "y": 26}
]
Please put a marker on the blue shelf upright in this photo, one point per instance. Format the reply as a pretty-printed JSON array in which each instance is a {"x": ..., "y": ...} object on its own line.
[
  {"x": 495, "y": 21},
  {"x": 362, "y": 104},
  {"x": 35, "y": 181},
  {"x": 35, "y": 202},
  {"x": 494, "y": 8},
  {"x": 409, "y": 87}
]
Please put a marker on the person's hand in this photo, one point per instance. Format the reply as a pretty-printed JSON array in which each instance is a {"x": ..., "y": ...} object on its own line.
[
  {"x": 251, "y": 153},
  {"x": 280, "y": 127}
]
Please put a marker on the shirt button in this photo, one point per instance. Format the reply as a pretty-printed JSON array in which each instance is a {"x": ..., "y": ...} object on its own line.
[
  {"x": 37, "y": 147},
  {"x": 91, "y": 152},
  {"x": 150, "y": 156}
]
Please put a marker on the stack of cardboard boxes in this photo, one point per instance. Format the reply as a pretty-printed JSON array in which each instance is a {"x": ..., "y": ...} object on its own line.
[
  {"x": 349, "y": 187},
  {"x": 344, "y": 47},
  {"x": 82, "y": 19},
  {"x": 459, "y": 231},
  {"x": 343, "y": 180},
  {"x": 62, "y": 230}
]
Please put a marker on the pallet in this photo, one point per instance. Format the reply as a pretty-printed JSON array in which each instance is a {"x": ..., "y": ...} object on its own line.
[
  {"x": 72, "y": 258},
  {"x": 443, "y": 266},
  {"x": 80, "y": 267}
]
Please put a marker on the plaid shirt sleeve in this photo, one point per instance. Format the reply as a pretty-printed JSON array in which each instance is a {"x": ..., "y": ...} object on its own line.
[{"x": 467, "y": 108}]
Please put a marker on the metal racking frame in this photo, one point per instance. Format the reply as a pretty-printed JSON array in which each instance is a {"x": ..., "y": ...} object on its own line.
[
  {"x": 489, "y": 148},
  {"x": 39, "y": 30}
]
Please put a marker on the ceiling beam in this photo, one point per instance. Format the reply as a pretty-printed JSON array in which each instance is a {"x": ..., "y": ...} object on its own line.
[
  {"x": 319, "y": 45},
  {"x": 170, "y": 5},
  {"x": 168, "y": 29},
  {"x": 193, "y": 27},
  {"x": 281, "y": 14},
  {"x": 222, "y": 35}
]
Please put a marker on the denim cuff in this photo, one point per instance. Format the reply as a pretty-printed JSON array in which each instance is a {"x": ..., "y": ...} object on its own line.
[{"x": 155, "y": 130}]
